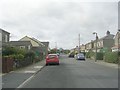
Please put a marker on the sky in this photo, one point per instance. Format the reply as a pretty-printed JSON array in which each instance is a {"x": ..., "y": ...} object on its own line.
[{"x": 59, "y": 21}]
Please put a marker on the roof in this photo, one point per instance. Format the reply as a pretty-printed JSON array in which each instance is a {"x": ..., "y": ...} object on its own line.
[
  {"x": 116, "y": 46},
  {"x": 118, "y": 33},
  {"x": 20, "y": 43},
  {"x": 38, "y": 41},
  {"x": 34, "y": 42},
  {"x": 110, "y": 36},
  {"x": 46, "y": 44},
  {"x": 4, "y": 31}
]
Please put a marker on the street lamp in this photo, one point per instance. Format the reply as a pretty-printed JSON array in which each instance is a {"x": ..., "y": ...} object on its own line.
[{"x": 96, "y": 46}]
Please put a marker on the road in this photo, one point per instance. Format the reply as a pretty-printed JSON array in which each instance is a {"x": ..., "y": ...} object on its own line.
[{"x": 75, "y": 74}]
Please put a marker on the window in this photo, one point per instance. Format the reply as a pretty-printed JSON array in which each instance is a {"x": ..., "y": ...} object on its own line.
[
  {"x": 6, "y": 38},
  {"x": 29, "y": 47}
]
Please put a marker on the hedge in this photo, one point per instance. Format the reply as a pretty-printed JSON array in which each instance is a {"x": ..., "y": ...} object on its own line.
[
  {"x": 111, "y": 57},
  {"x": 91, "y": 55},
  {"x": 100, "y": 56}
]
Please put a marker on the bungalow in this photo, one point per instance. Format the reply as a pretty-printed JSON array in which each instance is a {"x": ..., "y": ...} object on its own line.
[{"x": 37, "y": 46}]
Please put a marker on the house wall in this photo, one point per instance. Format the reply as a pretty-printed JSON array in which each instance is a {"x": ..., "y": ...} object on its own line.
[
  {"x": 108, "y": 43},
  {"x": 100, "y": 43},
  {"x": 5, "y": 36},
  {"x": 82, "y": 48},
  {"x": 116, "y": 39}
]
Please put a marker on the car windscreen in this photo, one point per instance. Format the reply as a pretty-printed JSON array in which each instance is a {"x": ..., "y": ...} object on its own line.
[
  {"x": 52, "y": 56},
  {"x": 82, "y": 55}
]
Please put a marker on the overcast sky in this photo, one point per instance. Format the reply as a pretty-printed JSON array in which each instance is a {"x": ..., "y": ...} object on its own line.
[{"x": 58, "y": 20}]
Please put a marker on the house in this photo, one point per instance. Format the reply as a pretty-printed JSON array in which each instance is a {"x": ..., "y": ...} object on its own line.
[
  {"x": 89, "y": 46},
  {"x": 21, "y": 44},
  {"x": 82, "y": 48},
  {"x": 105, "y": 43},
  {"x": 37, "y": 46},
  {"x": 4, "y": 36},
  {"x": 116, "y": 42}
]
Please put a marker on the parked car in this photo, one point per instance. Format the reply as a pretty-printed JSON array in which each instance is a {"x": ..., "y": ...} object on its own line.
[
  {"x": 80, "y": 56},
  {"x": 52, "y": 59}
]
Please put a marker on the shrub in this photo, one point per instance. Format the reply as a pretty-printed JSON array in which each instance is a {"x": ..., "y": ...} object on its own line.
[
  {"x": 111, "y": 57},
  {"x": 90, "y": 54},
  {"x": 30, "y": 54},
  {"x": 8, "y": 51}
]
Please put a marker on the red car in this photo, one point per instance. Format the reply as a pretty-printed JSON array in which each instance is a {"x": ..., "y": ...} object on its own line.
[{"x": 52, "y": 59}]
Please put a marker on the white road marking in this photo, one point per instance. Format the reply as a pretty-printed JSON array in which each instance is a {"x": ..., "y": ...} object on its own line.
[
  {"x": 25, "y": 82},
  {"x": 29, "y": 71},
  {"x": 38, "y": 66}
]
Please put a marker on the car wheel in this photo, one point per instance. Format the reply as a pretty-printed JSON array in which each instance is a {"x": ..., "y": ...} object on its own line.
[{"x": 46, "y": 64}]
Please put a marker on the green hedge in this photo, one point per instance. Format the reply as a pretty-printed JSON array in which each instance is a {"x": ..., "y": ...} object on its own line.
[
  {"x": 100, "y": 56},
  {"x": 91, "y": 55},
  {"x": 111, "y": 57}
]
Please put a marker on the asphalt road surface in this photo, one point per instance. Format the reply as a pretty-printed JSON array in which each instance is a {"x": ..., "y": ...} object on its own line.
[{"x": 74, "y": 74}]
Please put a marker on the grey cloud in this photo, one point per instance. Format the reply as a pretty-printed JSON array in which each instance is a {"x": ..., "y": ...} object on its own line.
[{"x": 62, "y": 22}]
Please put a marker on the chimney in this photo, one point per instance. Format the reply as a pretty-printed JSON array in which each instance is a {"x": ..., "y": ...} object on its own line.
[{"x": 108, "y": 33}]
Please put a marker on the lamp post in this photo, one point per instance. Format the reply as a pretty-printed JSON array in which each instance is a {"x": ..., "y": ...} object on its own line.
[{"x": 96, "y": 46}]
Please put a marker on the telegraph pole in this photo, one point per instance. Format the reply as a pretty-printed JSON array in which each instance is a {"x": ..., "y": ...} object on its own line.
[{"x": 96, "y": 46}]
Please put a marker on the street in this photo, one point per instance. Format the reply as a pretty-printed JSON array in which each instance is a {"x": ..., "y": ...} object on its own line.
[{"x": 74, "y": 74}]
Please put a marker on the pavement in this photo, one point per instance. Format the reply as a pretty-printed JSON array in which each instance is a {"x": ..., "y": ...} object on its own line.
[
  {"x": 102, "y": 62},
  {"x": 107, "y": 64},
  {"x": 14, "y": 79},
  {"x": 35, "y": 67}
]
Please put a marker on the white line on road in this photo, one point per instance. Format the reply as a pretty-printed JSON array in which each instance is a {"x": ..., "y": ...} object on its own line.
[
  {"x": 29, "y": 71},
  {"x": 38, "y": 66},
  {"x": 25, "y": 82},
  {"x": 20, "y": 86}
]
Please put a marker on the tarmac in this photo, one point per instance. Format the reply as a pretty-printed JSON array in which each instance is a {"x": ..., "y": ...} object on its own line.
[{"x": 24, "y": 74}]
